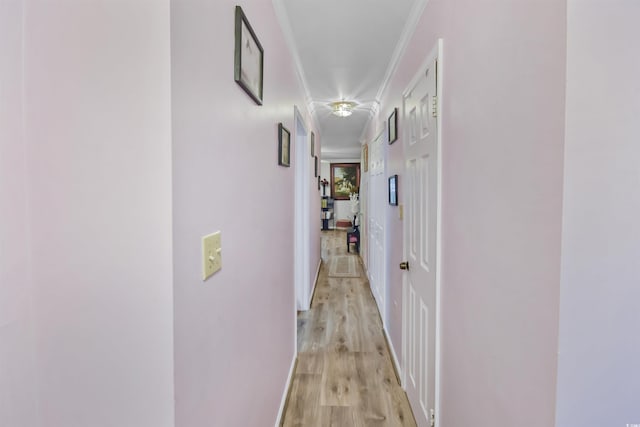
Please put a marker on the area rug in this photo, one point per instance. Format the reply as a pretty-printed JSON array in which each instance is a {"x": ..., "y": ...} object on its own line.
[{"x": 343, "y": 266}]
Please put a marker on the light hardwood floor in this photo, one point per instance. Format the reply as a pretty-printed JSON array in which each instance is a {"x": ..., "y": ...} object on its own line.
[{"x": 344, "y": 375}]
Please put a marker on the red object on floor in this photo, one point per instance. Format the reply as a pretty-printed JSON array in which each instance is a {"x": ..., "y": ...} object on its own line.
[{"x": 343, "y": 223}]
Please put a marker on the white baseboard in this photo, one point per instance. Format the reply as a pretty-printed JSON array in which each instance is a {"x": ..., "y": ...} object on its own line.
[
  {"x": 315, "y": 282},
  {"x": 286, "y": 390},
  {"x": 295, "y": 357},
  {"x": 394, "y": 356},
  {"x": 364, "y": 268},
  {"x": 317, "y": 274}
]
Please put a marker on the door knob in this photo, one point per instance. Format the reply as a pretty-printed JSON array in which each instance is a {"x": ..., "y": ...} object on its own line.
[{"x": 404, "y": 265}]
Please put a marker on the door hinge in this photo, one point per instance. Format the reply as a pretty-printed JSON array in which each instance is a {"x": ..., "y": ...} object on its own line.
[
  {"x": 433, "y": 418},
  {"x": 434, "y": 106}
]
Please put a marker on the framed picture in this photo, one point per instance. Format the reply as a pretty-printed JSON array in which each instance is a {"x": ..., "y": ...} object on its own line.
[
  {"x": 393, "y": 190},
  {"x": 284, "y": 146},
  {"x": 313, "y": 145},
  {"x": 345, "y": 179},
  {"x": 316, "y": 166},
  {"x": 392, "y": 126},
  {"x": 249, "y": 58}
]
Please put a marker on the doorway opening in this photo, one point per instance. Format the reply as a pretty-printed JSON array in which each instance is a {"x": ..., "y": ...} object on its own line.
[{"x": 302, "y": 214}]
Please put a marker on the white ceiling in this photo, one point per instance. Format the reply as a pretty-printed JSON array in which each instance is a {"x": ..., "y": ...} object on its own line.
[{"x": 346, "y": 49}]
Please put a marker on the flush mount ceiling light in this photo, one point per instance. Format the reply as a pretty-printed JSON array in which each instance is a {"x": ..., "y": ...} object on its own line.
[{"x": 342, "y": 108}]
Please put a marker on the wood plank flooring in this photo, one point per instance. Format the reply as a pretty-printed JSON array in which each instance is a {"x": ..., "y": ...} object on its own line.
[{"x": 344, "y": 374}]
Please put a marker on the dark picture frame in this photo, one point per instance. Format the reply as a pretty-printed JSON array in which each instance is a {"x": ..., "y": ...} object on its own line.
[
  {"x": 345, "y": 179},
  {"x": 393, "y": 190},
  {"x": 284, "y": 146},
  {"x": 392, "y": 127},
  {"x": 316, "y": 171},
  {"x": 313, "y": 144},
  {"x": 249, "y": 58}
]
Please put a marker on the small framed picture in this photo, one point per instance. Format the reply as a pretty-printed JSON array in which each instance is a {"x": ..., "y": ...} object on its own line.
[
  {"x": 249, "y": 58},
  {"x": 315, "y": 159},
  {"x": 393, "y": 190},
  {"x": 313, "y": 145},
  {"x": 392, "y": 126},
  {"x": 284, "y": 146}
]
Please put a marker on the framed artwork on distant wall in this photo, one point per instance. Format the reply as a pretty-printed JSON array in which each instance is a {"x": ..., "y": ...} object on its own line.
[
  {"x": 392, "y": 126},
  {"x": 249, "y": 58},
  {"x": 313, "y": 145},
  {"x": 284, "y": 146},
  {"x": 345, "y": 179},
  {"x": 393, "y": 190}
]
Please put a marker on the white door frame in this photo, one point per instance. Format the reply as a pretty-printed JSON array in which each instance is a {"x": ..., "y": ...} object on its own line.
[
  {"x": 302, "y": 232},
  {"x": 436, "y": 53}
]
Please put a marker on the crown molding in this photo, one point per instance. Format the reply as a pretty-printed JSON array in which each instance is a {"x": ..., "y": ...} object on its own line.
[
  {"x": 285, "y": 25},
  {"x": 287, "y": 32},
  {"x": 401, "y": 46},
  {"x": 373, "y": 112},
  {"x": 407, "y": 33}
]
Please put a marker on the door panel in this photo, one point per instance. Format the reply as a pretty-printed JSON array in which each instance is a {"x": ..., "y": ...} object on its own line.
[
  {"x": 421, "y": 242},
  {"x": 412, "y": 327},
  {"x": 377, "y": 226}
]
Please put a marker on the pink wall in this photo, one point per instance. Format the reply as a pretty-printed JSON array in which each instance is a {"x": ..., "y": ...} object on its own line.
[
  {"x": 18, "y": 396},
  {"x": 234, "y": 333},
  {"x": 598, "y": 380},
  {"x": 88, "y": 262},
  {"x": 86, "y": 224},
  {"x": 503, "y": 134}
]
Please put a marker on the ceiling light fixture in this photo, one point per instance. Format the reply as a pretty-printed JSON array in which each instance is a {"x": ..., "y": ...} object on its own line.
[{"x": 343, "y": 108}]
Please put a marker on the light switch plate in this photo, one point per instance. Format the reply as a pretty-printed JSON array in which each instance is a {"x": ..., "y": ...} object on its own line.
[{"x": 211, "y": 254}]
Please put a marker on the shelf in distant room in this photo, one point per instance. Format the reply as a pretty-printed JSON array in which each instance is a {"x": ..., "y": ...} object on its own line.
[{"x": 326, "y": 212}]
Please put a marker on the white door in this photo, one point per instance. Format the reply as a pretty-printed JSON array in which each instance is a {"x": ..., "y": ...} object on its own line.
[
  {"x": 421, "y": 241},
  {"x": 377, "y": 222}
]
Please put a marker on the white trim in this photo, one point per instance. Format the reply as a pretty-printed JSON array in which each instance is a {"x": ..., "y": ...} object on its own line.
[
  {"x": 435, "y": 54},
  {"x": 302, "y": 230},
  {"x": 386, "y": 247},
  {"x": 364, "y": 266},
  {"x": 438, "y": 361},
  {"x": 315, "y": 283},
  {"x": 287, "y": 385},
  {"x": 373, "y": 113},
  {"x": 392, "y": 350},
  {"x": 403, "y": 372},
  {"x": 407, "y": 33},
  {"x": 412, "y": 22},
  {"x": 401, "y": 46},
  {"x": 285, "y": 24}
]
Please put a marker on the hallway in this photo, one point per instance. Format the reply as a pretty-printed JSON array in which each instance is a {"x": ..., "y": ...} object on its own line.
[
  {"x": 132, "y": 132},
  {"x": 344, "y": 375}
]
